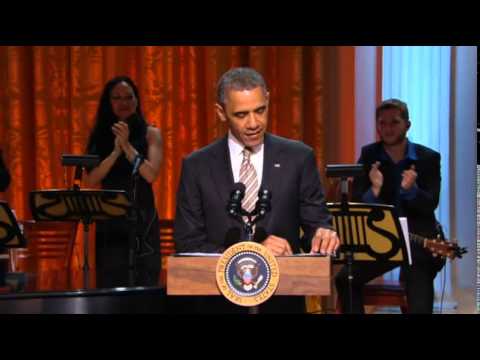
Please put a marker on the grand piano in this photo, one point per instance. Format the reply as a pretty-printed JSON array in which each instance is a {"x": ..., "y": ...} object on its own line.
[{"x": 64, "y": 292}]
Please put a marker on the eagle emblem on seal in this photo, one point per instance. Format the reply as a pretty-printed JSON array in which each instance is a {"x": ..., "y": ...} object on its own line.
[{"x": 247, "y": 274}]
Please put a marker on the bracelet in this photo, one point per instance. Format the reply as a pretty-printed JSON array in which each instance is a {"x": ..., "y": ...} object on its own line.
[{"x": 137, "y": 160}]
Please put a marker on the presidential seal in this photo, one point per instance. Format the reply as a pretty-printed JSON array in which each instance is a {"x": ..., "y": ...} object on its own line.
[{"x": 247, "y": 274}]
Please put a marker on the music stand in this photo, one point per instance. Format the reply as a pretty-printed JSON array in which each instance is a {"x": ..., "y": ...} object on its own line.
[
  {"x": 10, "y": 234},
  {"x": 80, "y": 162},
  {"x": 368, "y": 232},
  {"x": 11, "y": 237},
  {"x": 86, "y": 206}
]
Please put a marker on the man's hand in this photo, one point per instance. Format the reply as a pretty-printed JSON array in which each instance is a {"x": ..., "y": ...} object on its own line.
[
  {"x": 277, "y": 245},
  {"x": 376, "y": 178},
  {"x": 325, "y": 241},
  {"x": 409, "y": 177}
]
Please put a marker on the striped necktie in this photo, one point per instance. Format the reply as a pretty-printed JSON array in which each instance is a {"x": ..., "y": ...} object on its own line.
[{"x": 248, "y": 176}]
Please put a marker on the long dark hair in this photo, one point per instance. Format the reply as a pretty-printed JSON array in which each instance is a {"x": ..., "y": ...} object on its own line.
[{"x": 101, "y": 140}]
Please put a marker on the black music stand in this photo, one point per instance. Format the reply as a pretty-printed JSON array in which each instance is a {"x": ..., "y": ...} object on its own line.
[
  {"x": 11, "y": 237},
  {"x": 86, "y": 206},
  {"x": 80, "y": 162},
  {"x": 367, "y": 232},
  {"x": 76, "y": 205},
  {"x": 10, "y": 234}
]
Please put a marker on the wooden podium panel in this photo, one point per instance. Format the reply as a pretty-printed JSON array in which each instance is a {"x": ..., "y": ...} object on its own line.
[{"x": 299, "y": 275}]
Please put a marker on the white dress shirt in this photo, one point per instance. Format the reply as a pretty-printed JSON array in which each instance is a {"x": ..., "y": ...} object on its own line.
[{"x": 236, "y": 157}]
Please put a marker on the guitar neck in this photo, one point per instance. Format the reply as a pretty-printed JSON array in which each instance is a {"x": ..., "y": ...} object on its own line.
[
  {"x": 417, "y": 239},
  {"x": 442, "y": 247}
]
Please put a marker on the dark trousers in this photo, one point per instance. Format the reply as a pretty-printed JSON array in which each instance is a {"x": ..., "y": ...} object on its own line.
[
  {"x": 113, "y": 250},
  {"x": 418, "y": 280}
]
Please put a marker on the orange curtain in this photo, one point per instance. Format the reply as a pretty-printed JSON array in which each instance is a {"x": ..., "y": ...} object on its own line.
[{"x": 49, "y": 95}]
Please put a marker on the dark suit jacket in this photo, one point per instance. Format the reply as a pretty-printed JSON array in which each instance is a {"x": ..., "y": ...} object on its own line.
[
  {"x": 419, "y": 210},
  {"x": 289, "y": 172},
  {"x": 4, "y": 175}
]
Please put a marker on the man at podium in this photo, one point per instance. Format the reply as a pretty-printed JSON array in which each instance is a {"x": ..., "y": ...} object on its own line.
[{"x": 259, "y": 160}]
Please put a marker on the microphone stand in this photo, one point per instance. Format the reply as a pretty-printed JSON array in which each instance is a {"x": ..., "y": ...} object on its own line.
[
  {"x": 86, "y": 221},
  {"x": 348, "y": 251},
  {"x": 235, "y": 209},
  {"x": 133, "y": 232},
  {"x": 133, "y": 235},
  {"x": 261, "y": 208},
  {"x": 249, "y": 223},
  {"x": 248, "y": 226}
]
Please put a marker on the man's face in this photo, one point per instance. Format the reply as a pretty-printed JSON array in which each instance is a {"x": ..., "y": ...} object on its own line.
[
  {"x": 391, "y": 128},
  {"x": 123, "y": 100},
  {"x": 246, "y": 112}
]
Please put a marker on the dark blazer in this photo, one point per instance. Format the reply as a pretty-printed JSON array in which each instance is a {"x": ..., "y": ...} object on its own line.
[
  {"x": 4, "y": 175},
  {"x": 289, "y": 172},
  {"x": 419, "y": 210}
]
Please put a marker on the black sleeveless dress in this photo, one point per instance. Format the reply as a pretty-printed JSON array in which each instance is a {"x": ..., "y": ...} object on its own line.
[{"x": 118, "y": 240}]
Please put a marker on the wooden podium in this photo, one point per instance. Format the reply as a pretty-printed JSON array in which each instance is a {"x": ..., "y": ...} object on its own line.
[{"x": 299, "y": 275}]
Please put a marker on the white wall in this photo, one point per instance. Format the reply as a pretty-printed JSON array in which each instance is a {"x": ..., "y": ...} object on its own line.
[
  {"x": 365, "y": 96},
  {"x": 463, "y": 161}
]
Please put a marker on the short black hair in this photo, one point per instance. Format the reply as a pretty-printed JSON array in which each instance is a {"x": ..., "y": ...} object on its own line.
[
  {"x": 240, "y": 78},
  {"x": 393, "y": 104}
]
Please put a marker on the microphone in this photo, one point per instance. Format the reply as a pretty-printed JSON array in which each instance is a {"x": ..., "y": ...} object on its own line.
[
  {"x": 234, "y": 206},
  {"x": 263, "y": 204},
  {"x": 238, "y": 192}
]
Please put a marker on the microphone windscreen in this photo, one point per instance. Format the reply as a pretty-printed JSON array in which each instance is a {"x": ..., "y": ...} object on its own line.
[{"x": 239, "y": 186}]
